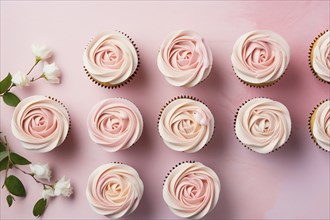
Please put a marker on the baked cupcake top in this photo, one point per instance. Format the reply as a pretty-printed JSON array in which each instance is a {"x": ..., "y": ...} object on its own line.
[
  {"x": 184, "y": 58},
  {"x": 186, "y": 125},
  {"x": 110, "y": 58},
  {"x": 40, "y": 123},
  {"x": 321, "y": 56},
  {"x": 263, "y": 125},
  {"x": 191, "y": 190},
  {"x": 114, "y": 190},
  {"x": 260, "y": 57},
  {"x": 115, "y": 124},
  {"x": 321, "y": 125}
]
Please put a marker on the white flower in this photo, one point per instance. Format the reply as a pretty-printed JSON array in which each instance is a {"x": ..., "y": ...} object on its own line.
[
  {"x": 41, "y": 52},
  {"x": 63, "y": 187},
  {"x": 20, "y": 79},
  {"x": 47, "y": 192},
  {"x": 41, "y": 171},
  {"x": 51, "y": 72}
]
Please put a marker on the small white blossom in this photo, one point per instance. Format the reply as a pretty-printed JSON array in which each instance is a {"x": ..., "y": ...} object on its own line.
[
  {"x": 41, "y": 171},
  {"x": 63, "y": 187},
  {"x": 41, "y": 52},
  {"x": 47, "y": 192},
  {"x": 51, "y": 72},
  {"x": 20, "y": 79}
]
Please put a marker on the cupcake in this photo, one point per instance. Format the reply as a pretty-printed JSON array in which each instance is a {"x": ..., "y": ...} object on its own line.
[
  {"x": 184, "y": 58},
  {"x": 260, "y": 58},
  {"x": 186, "y": 124},
  {"x": 263, "y": 125},
  {"x": 191, "y": 190},
  {"x": 319, "y": 56},
  {"x": 114, "y": 190},
  {"x": 111, "y": 59},
  {"x": 319, "y": 125},
  {"x": 40, "y": 123},
  {"x": 115, "y": 124}
]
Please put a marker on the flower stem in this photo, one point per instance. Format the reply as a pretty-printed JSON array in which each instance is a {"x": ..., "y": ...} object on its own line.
[
  {"x": 35, "y": 79},
  {"x": 30, "y": 174},
  {"x": 37, "y": 61}
]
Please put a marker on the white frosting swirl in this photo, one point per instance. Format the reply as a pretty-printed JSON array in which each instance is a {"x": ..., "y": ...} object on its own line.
[
  {"x": 114, "y": 190},
  {"x": 260, "y": 57},
  {"x": 41, "y": 124},
  {"x": 321, "y": 126},
  {"x": 321, "y": 57},
  {"x": 110, "y": 58},
  {"x": 186, "y": 125},
  {"x": 191, "y": 190},
  {"x": 263, "y": 125},
  {"x": 115, "y": 124},
  {"x": 184, "y": 58}
]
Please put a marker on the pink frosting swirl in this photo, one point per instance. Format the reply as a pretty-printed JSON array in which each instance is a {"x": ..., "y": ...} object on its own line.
[
  {"x": 110, "y": 58},
  {"x": 321, "y": 56},
  {"x": 191, "y": 190},
  {"x": 186, "y": 125},
  {"x": 263, "y": 125},
  {"x": 260, "y": 57},
  {"x": 321, "y": 126},
  {"x": 115, "y": 124},
  {"x": 114, "y": 190},
  {"x": 184, "y": 58},
  {"x": 41, "y": 124}
]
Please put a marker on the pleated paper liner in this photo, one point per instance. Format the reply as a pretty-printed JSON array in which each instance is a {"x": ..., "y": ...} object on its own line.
[
  {"x": 183, "y": 97},
  {"x": 129, "y": 79},
  {"x": 235, "y": 119},
  {"x": 58, "y": 101},
  {"x": 311, "y": 120},
  {"x": 174, "y": 167},
  {"x": 262, "y": 85},
  {"x": 310, "y": 55}
]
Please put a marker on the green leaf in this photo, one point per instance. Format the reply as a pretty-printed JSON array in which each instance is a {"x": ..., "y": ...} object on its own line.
[
  {"x": 5, "y": 83},
  {"x": 18, "y": 159},
  {"x": 3, "y": 155},
  {"x": 10, "y": 200},
  {"x": 39, "y": 207},
  {"x": 2, "y": 147},
  {"x": 4, "y": 164},
  {"x": 15, "y": 186},
  {"x": 11, "y": 99}
]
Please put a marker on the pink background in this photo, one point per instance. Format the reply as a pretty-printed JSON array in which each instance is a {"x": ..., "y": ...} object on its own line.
[{"x": 292, "y": 183}]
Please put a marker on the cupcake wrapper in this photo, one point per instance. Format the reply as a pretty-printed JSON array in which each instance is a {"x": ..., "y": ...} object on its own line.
[
  {"x": 106, "y": 85},
  {"x": 261, "y": 85},
  {"x": 310, "y": 60},
  {"x": 310, "y": 125},
  {"x": 235, "y": 119},
  {"x": 182, "y": 97},
  {"x": 58, "y": 101},
  {"x": 178, "y": 164}
]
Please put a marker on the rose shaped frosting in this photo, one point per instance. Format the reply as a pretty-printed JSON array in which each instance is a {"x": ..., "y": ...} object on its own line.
[
  {"x": 191, "y": 190},
  {"x": 115, "y": 124},
  {"x": 184, "y": 58},
  {"x": 260, "y": 57},
  {"x": 186, "y": 125},
  {"x": 114, "y": 190},
  {"x": 40, "y": 123},
  {"x": 321, "y": 57},
  {"x": 321, "y": 126},
  {"x": 263, "y": 125},
  {"x": 110, "y": 58}
]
